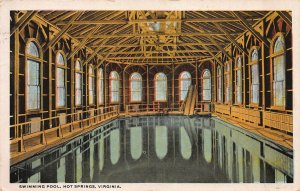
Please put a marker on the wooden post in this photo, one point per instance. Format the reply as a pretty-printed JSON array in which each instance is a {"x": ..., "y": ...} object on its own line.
[
  {"x": 197, "y": 88},
  {"x": 72, "y": 70},
  {"x": 263, "y": 81},
  {"x": 244, "y": 77},
  {"x": 50, "y": 83},
  {"x": 173, "y": 86},
  {"x": 105, "y": 87},
  {"x": 147, "y": 88},
  {"x": 16, "y": 72},
  {"x": 214, "y": 80},
  {"x": 124, "y": 92}
]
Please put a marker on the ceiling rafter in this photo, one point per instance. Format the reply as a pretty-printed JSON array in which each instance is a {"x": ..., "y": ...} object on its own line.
[
  {"x": 63, "y": 31},
  {"x": 130, "y": 36},
  {"x": 285, "y": 16},
  {"x": 251, "y": 29},
  {"x": 153, "y": 34},
  {"x": 213, "y": 41},
  {"x": 86, "y": 38},
  {"x": 103, "y": 42},
  {"x": 24, "y": 20},
  {"x": 231, "y": 38}
]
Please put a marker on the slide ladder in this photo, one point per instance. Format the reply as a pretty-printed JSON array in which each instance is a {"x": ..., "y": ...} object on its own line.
[{"x": 190, "y": 101}]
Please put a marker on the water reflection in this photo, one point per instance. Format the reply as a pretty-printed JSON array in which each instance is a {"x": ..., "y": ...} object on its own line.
[
  {"x": 185, "y": 144},
  {"x": 136, "y": 147},
  {"x": 161, "y": 149},
  {"x": 114, "y": 146},
  {"x": 161, "y": 141}
]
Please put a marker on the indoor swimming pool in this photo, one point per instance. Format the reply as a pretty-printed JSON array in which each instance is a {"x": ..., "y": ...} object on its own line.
[{"x": 161, "y": 149}]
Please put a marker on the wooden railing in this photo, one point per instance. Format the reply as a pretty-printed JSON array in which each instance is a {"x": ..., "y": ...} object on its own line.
[
  {"x": 246, "y": 115},
  {"x": 204, "y": 107},
  {"x": 256, "y": 117},
  {"x": 222, "y": 109},
  {"x": 52, "y": 129},
  {"x": 283, "y": 122},
  {"x": 156, "y": 107}
]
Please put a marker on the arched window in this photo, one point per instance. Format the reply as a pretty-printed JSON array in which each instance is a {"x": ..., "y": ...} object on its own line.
[
  {"x": 238, "y": 80},
  {"x": 60, "y": 80},
  {"x": 160, "y": 80},
  {"x": 219, "y": 83},
  {"x": 91, "y": 85},
  {"x": 100, "y": 86},
  {"x": 135, "y": 87},
  {"x": 254, "y": 77},
  {"x": 114, "y": 87},
  {"x": 78, "y": 83},
  {"x": 184, "y": 84},
  {"x": 206, "y": 84},
  {"x": 33, "y": 73},
  {"x": 279, "y": 72},
  {"x": 227, "y": 82}
]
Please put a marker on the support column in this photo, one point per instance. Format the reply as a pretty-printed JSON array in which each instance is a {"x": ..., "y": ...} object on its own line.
[
  {"x": 105, "y": 85},
  {"x": 124, "y": 92},
  {"x": 197, "y": 88},
  {"x": 16, "y": 72},
  {"x": 50, "y": 84},
  {"x": 72, "y": 68},
  {"x": 147, "y": 88},
  {"x": 244, "y": 78},
  {"x": 173, "y": 85}
]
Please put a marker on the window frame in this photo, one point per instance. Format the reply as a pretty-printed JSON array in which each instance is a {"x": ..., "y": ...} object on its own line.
[
  {"x": 92, "y": 76},
  {"x": 110, "y": 88},
  {"x": 64, "y": 67},
  {"x": 81, "y": 83},
  {"x": 155, "y": 76},
  {"x": 98, "y": 87},
  {"x": 40, "y": 61},
  {"x": 236, "y": 70},
  {"x": 227, "y": 73},
  {"x": 130, "y": 83},
  {"x": 202, "y": 84},
  {"x": 180, "y": 86},
  {"x": 272, "y": 56},
  {"x": 219, "y": 76},
  {"x": 250, "y": 64}
]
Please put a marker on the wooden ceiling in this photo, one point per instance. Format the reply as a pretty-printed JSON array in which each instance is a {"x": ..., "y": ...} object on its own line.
[{"x": 154, "y": 37}]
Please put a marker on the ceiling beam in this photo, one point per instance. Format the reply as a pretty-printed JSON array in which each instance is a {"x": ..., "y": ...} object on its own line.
[
  {"x": 63, "y": 31},
  {"x": 212, "y": 40},
  {"x": 233, "y": 41},
  {"x": 196, "y": 20},
  {"x": 155, "y": 57},
  {"x": 166, "y": 44},
  {"x": 208, "y": 50},
  {"x": 63, "y": 17},
  {"x": 251, "y": 29},
  {"x": 84, "y": 41},
  {"x": 86, "y": 38},
  {"x": 155, "y": 51},
  {"x": 103, "y": 42},
  {"x": 24, "y": 20},
  {"x": 156, "y": 34},
  {"x": 286, "y": 17},
  {"x": 106, "y": 56}
]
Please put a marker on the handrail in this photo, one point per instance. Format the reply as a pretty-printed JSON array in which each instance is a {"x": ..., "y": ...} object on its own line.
[{"x": 86, "y": 119}]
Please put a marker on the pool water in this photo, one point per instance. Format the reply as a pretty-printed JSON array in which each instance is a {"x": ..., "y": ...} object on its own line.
[{"x": 161, "y": 149}]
